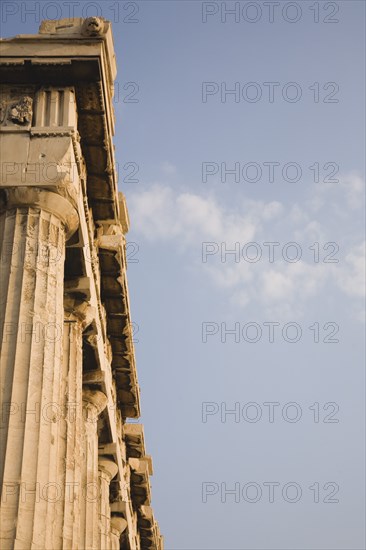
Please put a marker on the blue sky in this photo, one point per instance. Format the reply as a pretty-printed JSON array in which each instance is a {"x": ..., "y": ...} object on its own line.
[{"x": 178, "y": 300}]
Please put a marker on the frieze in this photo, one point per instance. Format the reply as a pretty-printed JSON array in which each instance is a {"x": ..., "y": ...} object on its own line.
[{"x": 16, "y": 112}]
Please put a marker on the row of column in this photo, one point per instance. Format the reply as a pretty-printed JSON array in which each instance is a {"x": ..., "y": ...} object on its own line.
[
  {"x": 87, "y": 515},
  {"x": 55, "y": 488}
]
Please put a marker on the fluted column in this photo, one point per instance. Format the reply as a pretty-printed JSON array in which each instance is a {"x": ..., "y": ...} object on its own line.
[
  {"x": 94, "y": 402},
  {"x": 107, "y": 470},
  {"x": 78, "y": 315},
  {"x": 70, "y": 470},
  {"x": 34, "y": 224},
  {"x": 118, "y": 525}
]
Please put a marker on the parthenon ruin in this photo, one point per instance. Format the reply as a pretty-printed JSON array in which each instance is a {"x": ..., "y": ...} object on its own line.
[{"x": 74, "y": 471}]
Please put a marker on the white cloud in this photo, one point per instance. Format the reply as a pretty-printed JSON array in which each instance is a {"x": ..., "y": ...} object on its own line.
[
  {"x": 352, "y": 279},
  {"x": 272, "y": 210},
  {"x": 347, "y": 194},
  {"x": 168, "y": 168},
  {"x": 163, "y": 214},
  {"x": 190, "y": 219}
]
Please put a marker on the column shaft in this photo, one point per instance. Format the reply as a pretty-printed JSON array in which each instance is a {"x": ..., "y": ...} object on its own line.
[
  {"x": 70, "y": 468},
  {"x": 107, "y": 470},
  {"x": 93, "y": 404},
  {"x": 31, "y": 325}
]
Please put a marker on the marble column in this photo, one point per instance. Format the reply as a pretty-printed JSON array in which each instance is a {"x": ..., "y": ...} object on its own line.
[
  {"x": 94, "y": 402},
  {"x": 78, "y": 315},
  {"x": 107, "y": 470},
  {"x": 118, "y": 525},
  {"x": 34, "y": 225}
]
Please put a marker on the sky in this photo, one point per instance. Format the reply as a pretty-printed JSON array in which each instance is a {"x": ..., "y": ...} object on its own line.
[{"x": 240, "y": 142}]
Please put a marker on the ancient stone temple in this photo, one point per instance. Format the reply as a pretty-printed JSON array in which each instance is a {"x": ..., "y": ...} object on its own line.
[{"x": 74, "y": 472}]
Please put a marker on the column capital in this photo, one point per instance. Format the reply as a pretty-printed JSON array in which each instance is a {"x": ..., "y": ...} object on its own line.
[
  {"x": 34, "y": 197},
  {"x": 94, "y": 400},
  {"x": 79, "y": 311},
  {"x": 108, "y": 467},
  {"x": 118, "y": 524}
]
